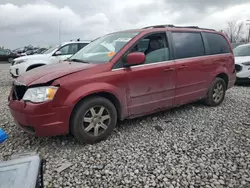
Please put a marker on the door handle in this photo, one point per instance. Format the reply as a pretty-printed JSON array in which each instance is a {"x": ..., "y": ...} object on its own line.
[
  {"x": 182, "y": 67},
  {"x": 168, "y": 69}
]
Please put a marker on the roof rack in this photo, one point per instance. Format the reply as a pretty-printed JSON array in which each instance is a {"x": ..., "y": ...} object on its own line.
[{"x": 173, "y": 26}]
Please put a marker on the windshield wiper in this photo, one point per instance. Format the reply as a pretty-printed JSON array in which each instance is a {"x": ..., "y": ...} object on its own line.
[{"x": 78, "y": 60}]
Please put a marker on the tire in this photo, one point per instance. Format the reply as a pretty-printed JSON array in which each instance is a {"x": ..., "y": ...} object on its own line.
[
  {"x": 216, "y": 92},
  {"x": 10, "y": 60},
  {"x": 84, "y": 124}
]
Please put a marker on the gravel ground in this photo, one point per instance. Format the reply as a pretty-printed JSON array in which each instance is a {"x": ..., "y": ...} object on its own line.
[{"x": 191, "y": 146}]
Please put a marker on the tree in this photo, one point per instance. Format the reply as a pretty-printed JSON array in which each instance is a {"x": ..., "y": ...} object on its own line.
[{"x": 234, "y": 31}]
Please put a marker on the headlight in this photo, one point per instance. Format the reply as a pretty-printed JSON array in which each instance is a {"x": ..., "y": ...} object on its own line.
[
  {"x": 40, "y": 94},
  {"x": 20, "y": 61},
  {"x": 246, "y": 63}
]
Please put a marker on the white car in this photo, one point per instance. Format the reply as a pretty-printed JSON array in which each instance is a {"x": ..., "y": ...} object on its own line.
[
  {"x": 242, "y": 62},
  {"x": 53, "y": 55}
]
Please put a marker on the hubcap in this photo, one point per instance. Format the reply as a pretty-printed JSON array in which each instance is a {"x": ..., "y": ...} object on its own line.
[
  {"x": 96, "y": 120},
  {"x": 218, "y": 92}
]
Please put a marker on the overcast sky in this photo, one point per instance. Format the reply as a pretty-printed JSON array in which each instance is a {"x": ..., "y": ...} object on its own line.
[{"x": 36, "y": 22}]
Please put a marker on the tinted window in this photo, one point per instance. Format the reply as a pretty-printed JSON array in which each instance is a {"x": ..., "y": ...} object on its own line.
[
  {"x": 81, "y": 45},
  {"x": 4, "y": 52},
  {"x": 188, "y": 45},
  {"x": 217, "y": 44},
  {"x": 73, "y": 48}
]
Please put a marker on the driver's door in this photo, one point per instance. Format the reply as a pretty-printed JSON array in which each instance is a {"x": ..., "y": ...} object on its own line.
[{"x": 151, "y": 86}]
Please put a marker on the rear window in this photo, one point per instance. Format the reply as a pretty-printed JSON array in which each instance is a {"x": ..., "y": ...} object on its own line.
[
  {"x": 217, "y": 44},
  {"x": 187, "y": 44}
]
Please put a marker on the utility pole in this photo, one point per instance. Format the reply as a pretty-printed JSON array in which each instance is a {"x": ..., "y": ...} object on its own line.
[
  {"x": 59, "y": 32},
  {"x": 248, "y": 39}
]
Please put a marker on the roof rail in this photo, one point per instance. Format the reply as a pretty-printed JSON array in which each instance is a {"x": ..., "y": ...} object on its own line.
[{"x": 173, "y": 26}]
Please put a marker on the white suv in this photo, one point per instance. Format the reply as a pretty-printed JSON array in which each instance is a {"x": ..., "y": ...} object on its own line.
[
  {"x": 53, "y": 55},
  {"x": 242, "y": 63}
]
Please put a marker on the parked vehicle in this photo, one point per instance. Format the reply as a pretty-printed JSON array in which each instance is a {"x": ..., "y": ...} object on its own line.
[
  {"x": 51, "y": 56},
  {"x": 234, "y": 45},
  {"x": 116, "y": 78},
  {"x": 242, "y": 63},
  {"x": 40, "y": 50},
  {"x": 7, "y": 55}
]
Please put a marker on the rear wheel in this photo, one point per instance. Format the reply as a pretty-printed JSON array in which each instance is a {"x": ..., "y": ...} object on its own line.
[
  {"x": 93, "y": 120},
  {"x": 216, "y": 92}
]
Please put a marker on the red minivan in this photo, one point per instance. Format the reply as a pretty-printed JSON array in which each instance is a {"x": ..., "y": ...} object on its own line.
[{"x": 123, "y": 75}]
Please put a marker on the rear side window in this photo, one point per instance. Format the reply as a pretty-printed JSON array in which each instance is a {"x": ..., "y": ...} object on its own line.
[
  {"x": 81, "y": 45},
  {"x": 187, "y": 44},
  {"x": 217, "y": 44}
]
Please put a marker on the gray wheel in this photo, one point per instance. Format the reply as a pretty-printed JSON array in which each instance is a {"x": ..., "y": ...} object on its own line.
[
  {"x": 96, "y": 120},
  {"x": 93, "y": 120},
  {"x": 216, "y": 92}
]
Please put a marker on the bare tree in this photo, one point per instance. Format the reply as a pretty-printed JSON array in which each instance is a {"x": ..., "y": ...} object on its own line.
[{"x": 234, "y": 31}]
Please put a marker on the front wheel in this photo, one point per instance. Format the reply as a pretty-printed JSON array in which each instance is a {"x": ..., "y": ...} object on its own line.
[
  {"x": 93, "y": 120},
  {"x": 216, "y": 92},
  {"x": 10, "y": 60}
]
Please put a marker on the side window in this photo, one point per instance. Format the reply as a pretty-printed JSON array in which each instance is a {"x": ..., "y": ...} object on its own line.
[
  {"x": 69, "y": 49},
  {"x": 188, "y": 44},
  {"x": 73, "y": 48},
  {"x": 64, "y": 50},
  {"x": 4, "y": 52},
  {"x": 154, "y": 46},
  {"x": 81, "y": 45},
  {"x": 217, "y": 44}
]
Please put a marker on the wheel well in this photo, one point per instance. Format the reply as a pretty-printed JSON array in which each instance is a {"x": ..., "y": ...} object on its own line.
[
  {"x": 112, "y": 98},
  {"x": 34, "y": 66},
  {"x": 223, "y": 76}
]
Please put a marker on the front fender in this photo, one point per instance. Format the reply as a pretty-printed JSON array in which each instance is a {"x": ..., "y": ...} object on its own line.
[{"x": 95, "y": 88}]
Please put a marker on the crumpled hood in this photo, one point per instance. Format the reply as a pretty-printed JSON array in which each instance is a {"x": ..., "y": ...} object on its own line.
[
  {"x": 242, "y": 59},
  {"x": 47, "y": 73},
  {"x": 36, "y": 56}
]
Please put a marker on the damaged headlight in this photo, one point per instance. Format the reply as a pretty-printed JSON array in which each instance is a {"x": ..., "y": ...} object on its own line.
[{"x": 40, "y": 94}]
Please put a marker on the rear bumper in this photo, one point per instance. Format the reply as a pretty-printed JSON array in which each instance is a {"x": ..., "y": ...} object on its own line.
[{"x": 41, "y": 119}]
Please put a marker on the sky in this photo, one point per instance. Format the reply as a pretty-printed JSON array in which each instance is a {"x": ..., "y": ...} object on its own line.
[{"x": 37, "y": 22}]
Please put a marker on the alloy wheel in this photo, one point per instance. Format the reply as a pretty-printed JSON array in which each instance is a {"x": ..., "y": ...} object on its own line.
[
  {"x": 218, "y": 92},
  {"x": 96, "y": 120}
]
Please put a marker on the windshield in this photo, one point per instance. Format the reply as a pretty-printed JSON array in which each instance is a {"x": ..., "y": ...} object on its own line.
[
  {"x": 104, "y": 48},
  {"x": 51, "y": 49},
  {"x": 242, "y": 51}
]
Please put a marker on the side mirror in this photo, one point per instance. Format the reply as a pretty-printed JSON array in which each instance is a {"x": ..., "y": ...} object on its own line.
[
  {"x": 58, "y": 53},
  {"x": 134, "y": 58}
]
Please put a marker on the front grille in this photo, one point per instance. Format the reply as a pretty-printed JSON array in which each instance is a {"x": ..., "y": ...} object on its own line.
[
  {"x": 238, "y": 68},
  {"x": 18, "y": 92}
]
